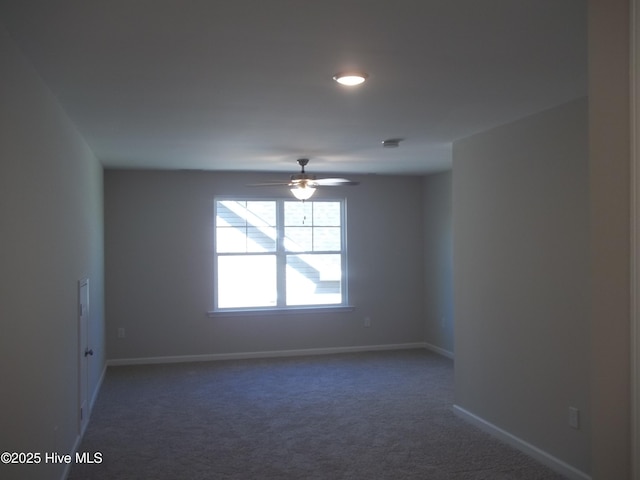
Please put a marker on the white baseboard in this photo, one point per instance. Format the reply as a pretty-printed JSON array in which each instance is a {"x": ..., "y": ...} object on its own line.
[
  {"x": 78, "y": 439},
  {"x": 266, "y": 354},
  {"x": 438, "y": 350},
  {"x": 96, "y": 391},
  {"x": 525, "y": 447}
]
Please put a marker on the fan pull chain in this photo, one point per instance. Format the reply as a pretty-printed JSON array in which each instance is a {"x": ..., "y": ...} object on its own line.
[{"x": 304, "y": 211}]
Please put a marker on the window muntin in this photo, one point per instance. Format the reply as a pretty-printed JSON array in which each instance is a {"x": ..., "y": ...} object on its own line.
[
  {"x": 245, "y": 226},
  {"x": 279, "y": 253}
]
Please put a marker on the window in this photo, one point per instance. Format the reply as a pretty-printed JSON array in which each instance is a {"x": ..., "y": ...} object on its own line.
[{"x": 274, "y": 254}]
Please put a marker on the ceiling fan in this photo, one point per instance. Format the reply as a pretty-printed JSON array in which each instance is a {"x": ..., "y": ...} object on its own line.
[{"x": 303, "y": 185}]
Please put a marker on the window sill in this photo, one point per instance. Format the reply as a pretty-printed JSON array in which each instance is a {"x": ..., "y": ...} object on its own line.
[{"x": 281, "y": 311}]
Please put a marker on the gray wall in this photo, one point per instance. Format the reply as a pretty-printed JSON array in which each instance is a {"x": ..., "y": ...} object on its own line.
[
  {"x": 159, "y": 276},
  {"x": 50, "y": 236},
  {"x": 438, "y": 267},
  {"x": 610, "y": 164},
  {"x": 521, "y": 274}
]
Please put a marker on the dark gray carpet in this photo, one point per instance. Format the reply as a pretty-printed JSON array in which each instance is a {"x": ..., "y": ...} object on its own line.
[{"x": 382, "y": 415}]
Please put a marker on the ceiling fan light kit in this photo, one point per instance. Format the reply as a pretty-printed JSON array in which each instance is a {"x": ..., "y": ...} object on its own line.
[
  {"x": 303, "y": 185},
  {"x": 303, "y": 191}
]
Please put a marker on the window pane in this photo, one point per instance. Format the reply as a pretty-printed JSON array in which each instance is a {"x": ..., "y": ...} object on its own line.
[
  {"x": 245, "y": 226},
  {"x": 261, "y": 239},
  {"x": 247, "y": 281},
  {"x": 298, "y": 239},
  {"x": 326, "y": 238},
  {"x": 249, "y": 239},
  {"x": 326, "y": 214},
  {"x": 314, "y": 279},
  {"x": 230, "y": 240},
  {"x": 262, "y": 213},
  {"x": 239, "y": 213},
  {"x": 298, "y": 213},
  {"x": 227, "y": 214}
]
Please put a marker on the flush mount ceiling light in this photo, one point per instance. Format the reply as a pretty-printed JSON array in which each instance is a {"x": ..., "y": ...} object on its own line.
[{"x": 350, "y": 79}]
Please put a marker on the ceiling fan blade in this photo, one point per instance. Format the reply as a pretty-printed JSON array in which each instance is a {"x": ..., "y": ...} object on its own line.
[
  {"x": 305, "y": 180},
  {"x": 334, "y": 182},
  {"x": 269, "y": 184}
]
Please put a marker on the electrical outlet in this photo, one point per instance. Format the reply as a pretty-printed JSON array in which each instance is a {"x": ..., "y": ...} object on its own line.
[
  {"x": 367, "y": 321},
  {"x": 574, "y": 417},
  {"x": 120, "y": 332}
]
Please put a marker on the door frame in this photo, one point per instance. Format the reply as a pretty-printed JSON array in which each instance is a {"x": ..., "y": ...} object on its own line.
[
  {"x": 83, "y": 366},
  {"x": 635, "y": 232}
]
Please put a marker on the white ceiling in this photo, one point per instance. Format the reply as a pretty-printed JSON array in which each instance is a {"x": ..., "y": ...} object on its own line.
[{"x": 247, "y": 84}]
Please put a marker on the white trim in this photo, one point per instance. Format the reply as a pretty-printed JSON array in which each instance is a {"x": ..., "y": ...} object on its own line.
[
  {"x": 438, "y": 350},
  {"x": 94, "y": 397},
  {"x": 525, "y": 447},
  {"x": 280, "y": 311},
  {"x": 67, "y": 468},
  {"x": 266, "y": 354},
  {"x": 635, "y": 240},
  {"x": 281, "y": 252},
  {"x": 78, "y": 440},
  {"x": 84, "y": 318}
]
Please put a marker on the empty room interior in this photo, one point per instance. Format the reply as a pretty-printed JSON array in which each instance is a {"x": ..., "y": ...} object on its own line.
[{"x": 189, "y": 183}]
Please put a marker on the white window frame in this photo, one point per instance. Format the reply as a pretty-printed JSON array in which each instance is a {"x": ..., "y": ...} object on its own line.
[{"x": 281, "y": 255}]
